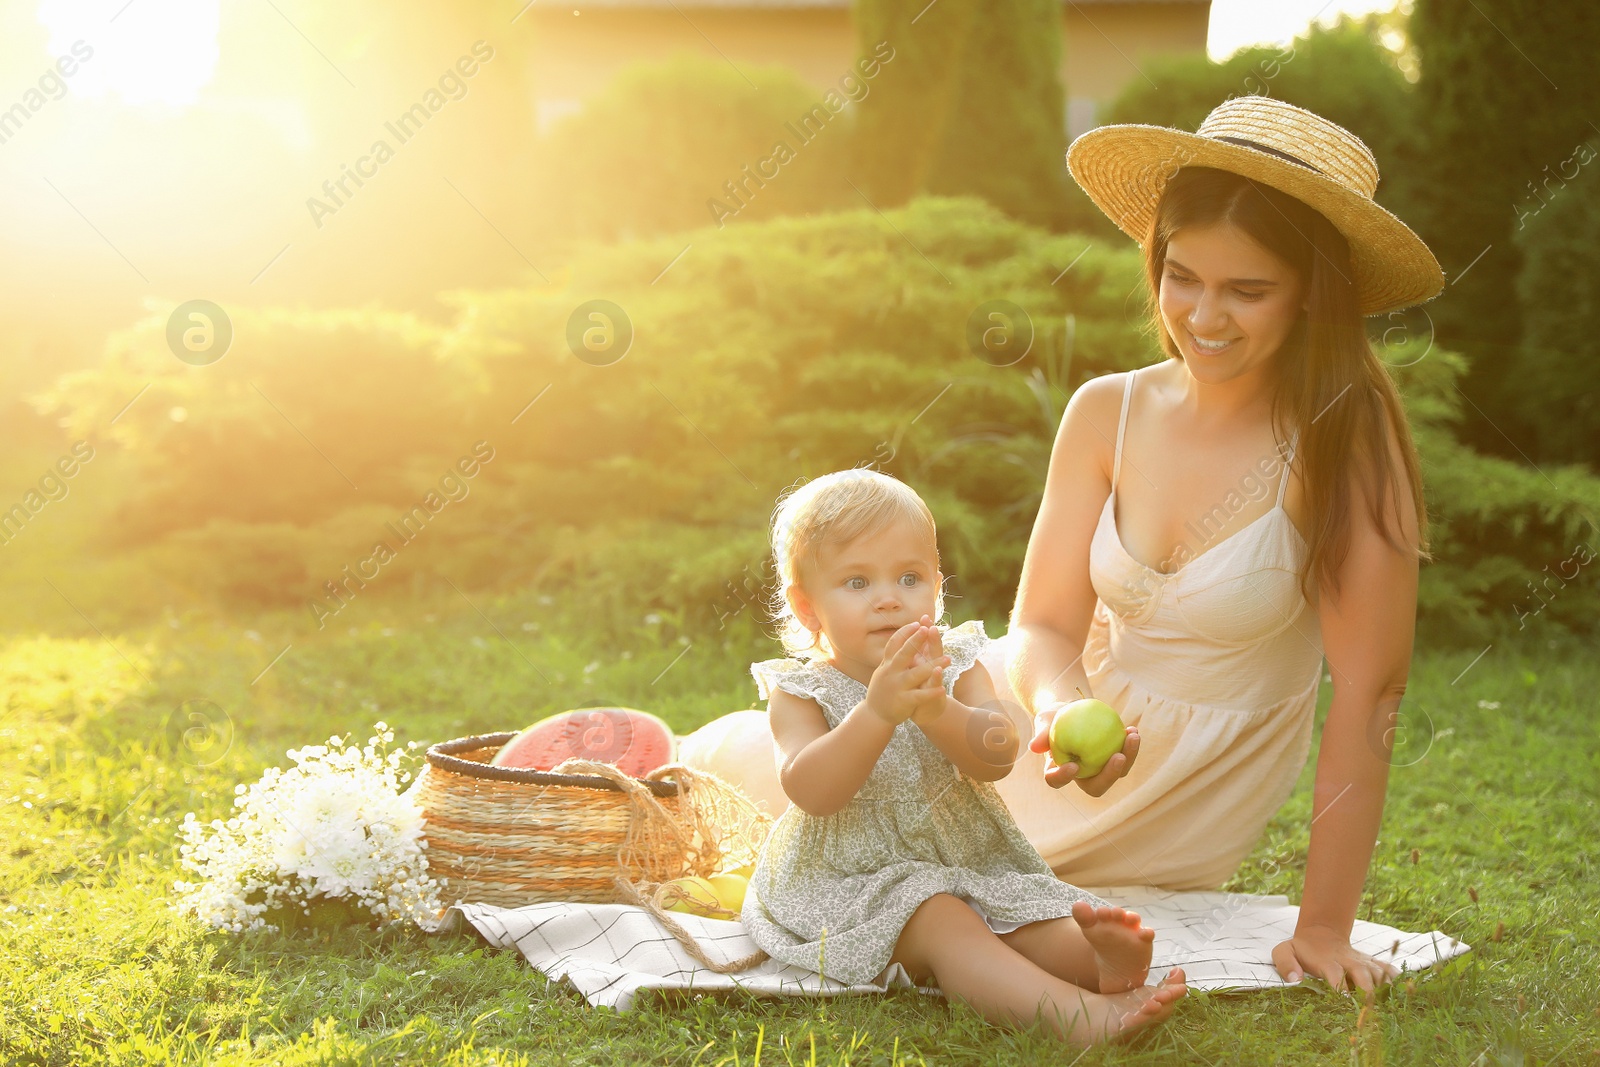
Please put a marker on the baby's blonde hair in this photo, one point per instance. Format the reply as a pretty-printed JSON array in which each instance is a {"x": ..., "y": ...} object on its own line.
[{"x": 835, "y": 509}]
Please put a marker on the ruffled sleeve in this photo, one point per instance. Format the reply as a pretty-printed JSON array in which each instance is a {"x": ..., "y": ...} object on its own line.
[
  {"x": 790, "y": 675},
  {"x": 963, "y": 644}
]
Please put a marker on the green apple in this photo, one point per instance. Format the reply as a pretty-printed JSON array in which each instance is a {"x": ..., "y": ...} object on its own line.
[{"x": 1087, "y": 732}]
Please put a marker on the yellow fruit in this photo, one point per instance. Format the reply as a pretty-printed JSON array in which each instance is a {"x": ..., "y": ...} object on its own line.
[
  {"x": 747, "y": 872},
  {"x": 730, "y": 890},
  {"x": 693, "y": 896}
]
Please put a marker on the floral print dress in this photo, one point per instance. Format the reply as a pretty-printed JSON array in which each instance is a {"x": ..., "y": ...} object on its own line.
[{"x": 832, "y": 892}]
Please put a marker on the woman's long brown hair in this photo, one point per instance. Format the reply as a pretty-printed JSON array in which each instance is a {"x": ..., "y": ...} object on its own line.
[{"x": 1329, "y": 383}]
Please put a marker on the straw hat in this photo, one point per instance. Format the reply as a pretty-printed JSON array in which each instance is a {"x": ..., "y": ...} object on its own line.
[{"x": 1124, "y": 169}]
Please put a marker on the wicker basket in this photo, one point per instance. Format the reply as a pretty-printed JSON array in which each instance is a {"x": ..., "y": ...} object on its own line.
[{"x": 508, "y": 836}]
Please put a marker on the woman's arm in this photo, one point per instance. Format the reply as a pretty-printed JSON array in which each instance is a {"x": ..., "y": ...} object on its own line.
[
  {"x": 1055, "y": 599},
  {"x": 1367, "y": 634}
]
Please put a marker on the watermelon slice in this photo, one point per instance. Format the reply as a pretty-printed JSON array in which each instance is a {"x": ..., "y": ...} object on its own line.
[{"x": 636, "y": 741}]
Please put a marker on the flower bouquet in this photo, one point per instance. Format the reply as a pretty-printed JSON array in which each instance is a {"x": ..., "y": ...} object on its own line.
[{"x": 333, "y": 833}]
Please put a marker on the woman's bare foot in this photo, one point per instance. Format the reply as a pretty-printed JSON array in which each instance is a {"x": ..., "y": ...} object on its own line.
[
  {"x": 1122, "y": 945},
  {"x": 1120, "y": 1016}
]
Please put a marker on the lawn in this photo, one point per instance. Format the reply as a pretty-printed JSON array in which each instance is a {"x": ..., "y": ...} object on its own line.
[{"x": 1490, "y": 835}]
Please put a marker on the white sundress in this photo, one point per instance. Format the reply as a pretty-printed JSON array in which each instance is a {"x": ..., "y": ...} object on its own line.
[{"x": 1218, "y": 665}]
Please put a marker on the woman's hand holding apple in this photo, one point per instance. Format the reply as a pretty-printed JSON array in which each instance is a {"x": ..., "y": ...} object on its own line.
[{"x": 1057, "y": 775}]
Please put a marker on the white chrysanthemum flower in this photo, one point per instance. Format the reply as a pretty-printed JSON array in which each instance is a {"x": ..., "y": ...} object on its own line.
[{"x": 335, "y": 825}]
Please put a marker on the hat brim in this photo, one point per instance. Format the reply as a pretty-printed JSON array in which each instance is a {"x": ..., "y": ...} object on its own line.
[{"x": 1125, "y": 168}]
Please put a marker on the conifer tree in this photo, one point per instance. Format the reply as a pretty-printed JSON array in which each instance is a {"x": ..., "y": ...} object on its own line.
[
  {"x": 1508, "y": 92},
  {"x": 970, "y": 103}
]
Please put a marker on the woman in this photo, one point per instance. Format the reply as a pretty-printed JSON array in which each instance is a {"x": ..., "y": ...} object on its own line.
[{"x": 1214, "y": 525}]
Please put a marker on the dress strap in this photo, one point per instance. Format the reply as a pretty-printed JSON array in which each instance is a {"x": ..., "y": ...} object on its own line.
[
  {"x": 1283, "y": 483},
  {"x": 1122, "y": 423}
]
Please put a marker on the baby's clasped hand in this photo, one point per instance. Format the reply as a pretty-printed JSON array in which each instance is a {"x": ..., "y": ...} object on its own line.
[{"x": 909, "y": 682}]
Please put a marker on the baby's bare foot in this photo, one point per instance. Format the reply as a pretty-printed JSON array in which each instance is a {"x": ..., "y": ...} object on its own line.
[
  {"x": 1122, "y": 945},
  {"x": 1142, "y": 1007},
  {"x": 1121, "y": 1015}
]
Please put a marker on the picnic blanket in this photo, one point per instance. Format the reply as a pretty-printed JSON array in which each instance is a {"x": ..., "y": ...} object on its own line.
[{"x": 611, "y": 952}]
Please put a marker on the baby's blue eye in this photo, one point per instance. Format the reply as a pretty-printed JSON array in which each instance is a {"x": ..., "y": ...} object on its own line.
[
  {"x": 908, "y": 575},
  {"x": 855, "y": 583}
]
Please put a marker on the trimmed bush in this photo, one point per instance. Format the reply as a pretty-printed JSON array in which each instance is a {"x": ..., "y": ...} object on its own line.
[{"x": 769, "y": 353}]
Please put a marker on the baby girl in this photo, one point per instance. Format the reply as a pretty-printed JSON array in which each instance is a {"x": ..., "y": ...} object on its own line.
[{"x": 896, "y": 848}]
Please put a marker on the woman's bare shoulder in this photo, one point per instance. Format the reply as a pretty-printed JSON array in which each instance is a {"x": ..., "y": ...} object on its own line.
[
  {"x": 1103, "y": 389},
  {"x": 1092, "y": 415}
]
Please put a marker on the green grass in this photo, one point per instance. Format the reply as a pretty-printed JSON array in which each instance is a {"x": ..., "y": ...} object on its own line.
[{"x": 95, "y": 967}]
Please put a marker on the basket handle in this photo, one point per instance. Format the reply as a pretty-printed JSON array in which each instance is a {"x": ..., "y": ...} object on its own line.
[{"x": 646, "y": 805}]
